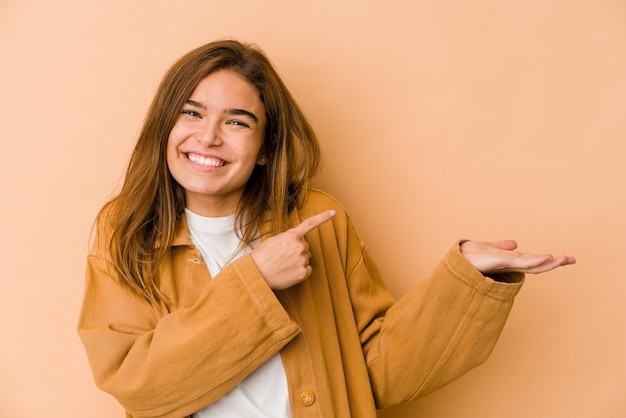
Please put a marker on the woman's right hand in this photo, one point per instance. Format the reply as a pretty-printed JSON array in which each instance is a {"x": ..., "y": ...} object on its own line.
[{"x": 283, "y": 260}]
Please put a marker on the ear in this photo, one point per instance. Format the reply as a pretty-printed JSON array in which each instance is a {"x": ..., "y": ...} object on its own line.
[{"x": 261, "y": 160}]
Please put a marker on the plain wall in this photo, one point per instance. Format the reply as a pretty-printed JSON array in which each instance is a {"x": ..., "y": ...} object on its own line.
[{"x": 484, "y": 119}]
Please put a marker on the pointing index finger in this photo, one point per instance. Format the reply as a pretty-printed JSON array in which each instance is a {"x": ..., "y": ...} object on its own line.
[{"x": 312, "y": 222}]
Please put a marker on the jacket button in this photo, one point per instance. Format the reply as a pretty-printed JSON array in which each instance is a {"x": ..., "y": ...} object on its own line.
[{"x": 307, "y": 398}]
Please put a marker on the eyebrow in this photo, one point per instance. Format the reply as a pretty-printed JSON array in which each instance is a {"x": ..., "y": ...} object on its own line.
[
  {"x": 196, "y": 104},
  {"x": 229, "y": 111},
  {"x": 242, "y": 112}
]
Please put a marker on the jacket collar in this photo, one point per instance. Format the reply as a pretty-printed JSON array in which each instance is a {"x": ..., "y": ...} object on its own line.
[{"x": 182, "y": 236}]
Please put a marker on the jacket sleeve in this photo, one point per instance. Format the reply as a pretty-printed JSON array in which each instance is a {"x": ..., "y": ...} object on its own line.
[
  {"x": 171, "y": 364},
  {"x": 445, "y": 326}
]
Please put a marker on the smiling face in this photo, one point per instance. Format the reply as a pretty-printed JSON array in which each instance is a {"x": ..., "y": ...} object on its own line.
[{"x": 216, "y": 143}]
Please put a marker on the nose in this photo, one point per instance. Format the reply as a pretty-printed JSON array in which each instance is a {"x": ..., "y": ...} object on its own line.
[{"x": 209, "y": 135}]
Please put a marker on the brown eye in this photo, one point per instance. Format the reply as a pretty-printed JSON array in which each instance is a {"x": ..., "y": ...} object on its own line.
[
  {"x": 237, "y": 123},
  {"x": 191, "y": 113}
]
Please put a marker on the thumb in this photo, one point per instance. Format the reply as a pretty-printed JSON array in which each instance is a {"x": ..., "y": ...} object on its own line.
[{"x": 506, "y": 244}]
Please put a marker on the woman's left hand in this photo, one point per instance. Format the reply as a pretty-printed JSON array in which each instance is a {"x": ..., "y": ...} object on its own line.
[{"x": 501, "y": 257}]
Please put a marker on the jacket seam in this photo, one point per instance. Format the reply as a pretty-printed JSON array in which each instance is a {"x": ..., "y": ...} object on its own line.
[
  {"x": 268, "y": 320},
  {"x": 452, "y": 343},
  {"x": 310, "y": 363},
  {"x": 350, "y": 268}
]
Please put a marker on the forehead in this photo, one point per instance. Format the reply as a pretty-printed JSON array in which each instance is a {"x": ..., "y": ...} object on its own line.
[{"x": 225, "y": 85}]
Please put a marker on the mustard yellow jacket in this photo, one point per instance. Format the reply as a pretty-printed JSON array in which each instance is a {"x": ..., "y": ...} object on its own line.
[{"x": 347, "y": 346}]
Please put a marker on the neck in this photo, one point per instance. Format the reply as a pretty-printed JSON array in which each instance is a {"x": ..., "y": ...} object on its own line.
[{"x": 212, "y": 207}]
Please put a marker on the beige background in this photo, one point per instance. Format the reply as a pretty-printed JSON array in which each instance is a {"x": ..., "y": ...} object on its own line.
[{"x": 444, "y": 119}]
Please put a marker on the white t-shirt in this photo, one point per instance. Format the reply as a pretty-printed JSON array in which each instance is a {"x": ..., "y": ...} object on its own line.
[{"x": 264, "y": 392}]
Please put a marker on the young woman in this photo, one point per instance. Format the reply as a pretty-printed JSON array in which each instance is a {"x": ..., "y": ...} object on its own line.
[{"x": 220, "y": 284}]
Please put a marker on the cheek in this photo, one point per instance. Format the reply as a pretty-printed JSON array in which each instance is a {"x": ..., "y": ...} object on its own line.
[
  {"x": 256, "y": 147},
  {"x": 171, "y": 152},
  {"x": 179, "y": 132}
]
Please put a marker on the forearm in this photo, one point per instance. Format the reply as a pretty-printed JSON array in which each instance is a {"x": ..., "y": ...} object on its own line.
[
  {"x": 444, "y": 327},
  {"x": 155, "y": 365}
]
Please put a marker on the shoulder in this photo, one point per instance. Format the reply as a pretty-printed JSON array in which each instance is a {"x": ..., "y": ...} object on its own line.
[
  {"x": 338, "y": 233},
  {"x": 103, "y": 229},
  {"x": 318, "y": 201}
]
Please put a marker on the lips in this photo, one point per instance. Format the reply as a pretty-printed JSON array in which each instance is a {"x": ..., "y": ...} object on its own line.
[{"x": 205, "y": 161}]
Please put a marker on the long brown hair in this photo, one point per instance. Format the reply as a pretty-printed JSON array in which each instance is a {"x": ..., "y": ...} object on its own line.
[{"x": 147, "y": 212}]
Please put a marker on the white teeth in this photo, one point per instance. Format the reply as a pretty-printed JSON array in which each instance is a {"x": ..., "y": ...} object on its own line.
[{"x": 207, "y": 162}]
